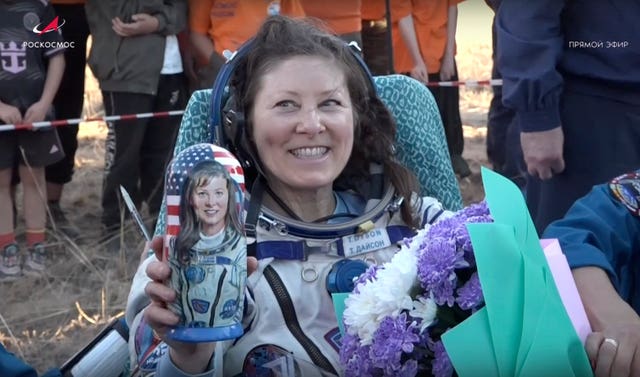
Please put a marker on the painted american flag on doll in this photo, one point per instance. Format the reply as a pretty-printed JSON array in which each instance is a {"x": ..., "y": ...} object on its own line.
[{"x": 180, "y": 168}]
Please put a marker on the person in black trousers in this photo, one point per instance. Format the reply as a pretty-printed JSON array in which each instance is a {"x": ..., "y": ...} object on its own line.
[{"x": 68, "y": 105}]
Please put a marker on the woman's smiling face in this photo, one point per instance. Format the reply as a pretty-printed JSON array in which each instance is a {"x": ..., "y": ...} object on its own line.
[
  {"x": 303, "y": 123},
  {"x": 210, "y": 203}
]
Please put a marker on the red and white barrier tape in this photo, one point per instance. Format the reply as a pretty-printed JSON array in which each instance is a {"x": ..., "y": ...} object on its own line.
[
  {"x": 467, "y": 83},
  {"x": 66, "y": 122}
]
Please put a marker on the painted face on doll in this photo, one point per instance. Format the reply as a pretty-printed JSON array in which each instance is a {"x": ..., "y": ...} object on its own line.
[
  {"x": 210, "y": 202},
  {"x": 303, "y": 123}
]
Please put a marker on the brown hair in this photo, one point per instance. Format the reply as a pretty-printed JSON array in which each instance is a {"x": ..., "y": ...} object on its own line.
[{"x": 281, "y": 38}]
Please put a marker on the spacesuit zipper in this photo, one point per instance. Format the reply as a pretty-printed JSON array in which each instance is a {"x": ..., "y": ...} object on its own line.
[
  {"x": 291, "y": 320},
  {"x": 217, "y": 300}
]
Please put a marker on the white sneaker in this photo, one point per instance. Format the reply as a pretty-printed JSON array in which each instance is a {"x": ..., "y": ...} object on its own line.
[
  {"x": 35, "y": 262},
  {"x": 10, "y": 263}
]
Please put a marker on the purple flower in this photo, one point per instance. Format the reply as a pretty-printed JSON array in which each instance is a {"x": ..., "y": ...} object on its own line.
[
  {"x": 408, "y": 369},
  {"x": 436, "y": 269},
  {"x": 355, "y": 357},
  {"x": 398, "y": 347},
  {"x": 444, "y": 228},
  {"x": 476, "y": 213},
  {"x": 441, "y": 365},
  {"x": 367, "y": 276},
  {"x": 393, "y": 338},
  {"x": 350, "y": 345},
  {"x": 470, "y": 294},
  {"x": 463, "y": 243},
  {"x": 476, "y": 209}
]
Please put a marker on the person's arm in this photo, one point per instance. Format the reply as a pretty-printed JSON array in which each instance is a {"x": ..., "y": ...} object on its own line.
[
  {"x": 170, "y": 20},
  {"x": 598, "y": 231},
  {"x": 600, "y": 238},
  {"x": 602, "y": 303},
  {"x": 447, "y": 69},
  {"x": 208, "y": 60},
  {"x": 531, "y": 43},
  {"x": 199, "y": 30},
  {"x": 173, "y": 17},
  {"x": 531, "y": 40},
  {"x": 38, "y": 111},
  {"x": 141, "y": 24},
  {"x": 408, "y": 33},
  {"x": 203, "y": 48}
]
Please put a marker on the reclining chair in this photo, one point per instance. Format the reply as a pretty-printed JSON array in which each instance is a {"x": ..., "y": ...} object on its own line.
[{"x": 421, "y": 146}]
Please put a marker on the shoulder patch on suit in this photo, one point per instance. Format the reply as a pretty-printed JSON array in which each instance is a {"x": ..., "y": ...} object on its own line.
[{"x": 626, "y": 189}]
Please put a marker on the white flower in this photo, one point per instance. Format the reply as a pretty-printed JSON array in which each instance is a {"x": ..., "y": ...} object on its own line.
[
  {"x": 425, "y": 309},
  {"x": 388, "y": 295},
  {"x": 359, "y": 314}
]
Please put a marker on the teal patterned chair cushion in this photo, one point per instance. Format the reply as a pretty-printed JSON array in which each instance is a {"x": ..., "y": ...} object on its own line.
[{"x": 421, "y": 144}]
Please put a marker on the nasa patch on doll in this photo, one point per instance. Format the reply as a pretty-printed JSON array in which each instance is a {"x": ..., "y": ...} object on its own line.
[{"x": 626, "y": 189}]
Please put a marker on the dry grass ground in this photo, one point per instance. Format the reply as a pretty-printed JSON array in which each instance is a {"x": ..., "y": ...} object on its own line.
[{"x": 46, "y": 320}]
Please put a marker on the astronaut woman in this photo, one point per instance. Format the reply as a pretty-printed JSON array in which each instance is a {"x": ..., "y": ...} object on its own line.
[
  {"x": 328, "y": 198},
  {"x": 209, "y": 267}
]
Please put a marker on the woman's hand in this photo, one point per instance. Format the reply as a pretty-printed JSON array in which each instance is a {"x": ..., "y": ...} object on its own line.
[
  {"x": 189, "y": 357},
  {"x": 615, "y": 351},
  {"x": 614, "y": 346},
  {"x": 157, "y": 314}
]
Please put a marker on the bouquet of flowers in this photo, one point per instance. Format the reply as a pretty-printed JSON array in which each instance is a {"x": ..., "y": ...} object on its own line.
[
  {"x": 426, "y": 313},
  {"x": 398, "y": 311}
]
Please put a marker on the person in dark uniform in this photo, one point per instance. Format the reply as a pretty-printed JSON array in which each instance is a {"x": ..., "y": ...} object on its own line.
[
  {"x": 570, "y": 72},
  {"x": 600, "y": 236}
]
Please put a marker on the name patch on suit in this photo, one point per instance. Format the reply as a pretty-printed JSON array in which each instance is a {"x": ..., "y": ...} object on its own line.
[{"x": 366, "y": 242}]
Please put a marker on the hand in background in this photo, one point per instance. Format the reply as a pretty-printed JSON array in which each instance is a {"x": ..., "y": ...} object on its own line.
[
  {"x": 36, "y": 112},
  {"x": 542, "y": 151},
  {"x": 141, "y": 24},
  {"x": 419, "y": 72},
  {"x": 10, "y": 114}
]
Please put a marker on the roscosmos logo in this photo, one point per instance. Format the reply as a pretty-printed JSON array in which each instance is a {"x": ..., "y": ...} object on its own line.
[{"x": 54, "y": 25}]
